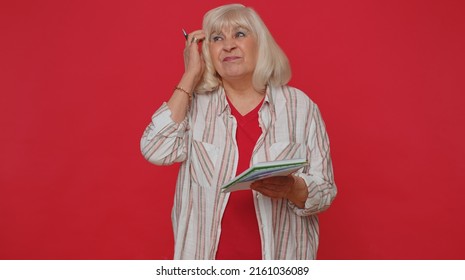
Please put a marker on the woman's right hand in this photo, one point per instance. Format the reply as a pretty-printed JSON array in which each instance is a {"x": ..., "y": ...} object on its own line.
[
  {"x": 194, "y": 67},
  {"x": 193, "y": 60}
]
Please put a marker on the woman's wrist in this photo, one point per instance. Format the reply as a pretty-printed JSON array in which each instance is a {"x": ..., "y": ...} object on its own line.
[
  {"x": 188, "y": 81},
  {"x": 181, "y": 89}
]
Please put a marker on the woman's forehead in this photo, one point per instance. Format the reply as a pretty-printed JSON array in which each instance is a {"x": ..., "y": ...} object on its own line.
[{"x": 229, "y": 28}]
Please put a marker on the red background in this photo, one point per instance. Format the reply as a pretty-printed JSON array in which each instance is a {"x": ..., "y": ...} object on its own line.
[{"x": 80, "y": 79}]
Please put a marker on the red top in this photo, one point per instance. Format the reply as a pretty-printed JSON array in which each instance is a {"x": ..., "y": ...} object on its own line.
[{"x": 240, "y": 237}]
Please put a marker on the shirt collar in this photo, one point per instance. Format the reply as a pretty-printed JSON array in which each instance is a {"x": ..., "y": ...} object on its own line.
[{"x": 223, "y": 103}]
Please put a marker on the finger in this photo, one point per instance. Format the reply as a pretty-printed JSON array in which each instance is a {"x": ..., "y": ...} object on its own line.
[
  {"x": 276, "y": 191},
  {"x": 279, "y": 180},
  {"x": 270, "y": 193},
  {"x": 195, "y": 37},
  {"x": 272, "y": 188},
  {"x": 259, "y": 184},
  {"x": 199, "y": 34},
  {"x": 272, "y": 185}
]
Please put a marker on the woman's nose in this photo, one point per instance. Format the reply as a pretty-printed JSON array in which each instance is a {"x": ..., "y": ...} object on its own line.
[{"x": 229, "y": 44}]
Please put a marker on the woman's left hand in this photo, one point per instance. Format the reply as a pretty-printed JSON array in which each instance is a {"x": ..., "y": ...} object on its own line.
[{"x": 289, "y": 187}]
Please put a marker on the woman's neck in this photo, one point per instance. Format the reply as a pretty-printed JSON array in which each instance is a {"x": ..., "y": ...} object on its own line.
[{"x": 244, "y": 97}]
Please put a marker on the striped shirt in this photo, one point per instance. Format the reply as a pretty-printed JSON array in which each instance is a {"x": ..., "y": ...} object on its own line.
[{"x": 205, "y": 143}]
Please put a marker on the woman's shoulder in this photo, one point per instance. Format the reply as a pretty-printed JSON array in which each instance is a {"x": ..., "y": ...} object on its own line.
[
  {"x": 204, "y": 102},
  {"x": 289, "y": 92}
]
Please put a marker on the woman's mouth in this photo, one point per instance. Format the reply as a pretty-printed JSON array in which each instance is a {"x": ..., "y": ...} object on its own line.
[{"x": 231, "y": 58}]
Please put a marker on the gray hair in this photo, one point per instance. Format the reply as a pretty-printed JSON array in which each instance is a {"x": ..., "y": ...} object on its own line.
[{"x": 272, "y": 64}]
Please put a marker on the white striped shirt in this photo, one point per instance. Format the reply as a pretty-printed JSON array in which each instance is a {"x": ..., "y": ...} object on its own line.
[{"x": 205, "y": 144}]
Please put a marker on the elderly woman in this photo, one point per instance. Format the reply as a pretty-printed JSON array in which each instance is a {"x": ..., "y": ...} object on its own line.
[{"x": 231, "y": 109}]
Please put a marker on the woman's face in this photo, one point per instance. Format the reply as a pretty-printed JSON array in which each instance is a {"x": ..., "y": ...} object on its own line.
[{"x": 234, "y": 53}]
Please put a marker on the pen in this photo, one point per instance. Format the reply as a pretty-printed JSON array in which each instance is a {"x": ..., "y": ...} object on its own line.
[{"x": 185, "y": 33}]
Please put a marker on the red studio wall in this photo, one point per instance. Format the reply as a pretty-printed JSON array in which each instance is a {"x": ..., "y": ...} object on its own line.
[{"x": 80, "y": 80}]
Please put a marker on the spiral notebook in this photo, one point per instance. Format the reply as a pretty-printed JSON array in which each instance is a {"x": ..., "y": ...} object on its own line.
[{"x": 263, "y": 170}]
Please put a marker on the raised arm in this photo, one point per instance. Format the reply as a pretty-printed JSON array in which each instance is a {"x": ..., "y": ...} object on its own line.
[
  {"x": 194, "y": 67},
  {"x": 165, "y": 139}
]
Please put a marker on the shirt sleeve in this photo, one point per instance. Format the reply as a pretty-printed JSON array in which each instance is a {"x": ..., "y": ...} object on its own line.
[
  {"x": 318, "y": 175},
  {"x": 164, "y": 141}
]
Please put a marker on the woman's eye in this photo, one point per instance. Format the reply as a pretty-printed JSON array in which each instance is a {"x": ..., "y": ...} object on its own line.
[
  {"x": 240, "y": 34},
  {"x": 216, "y": 38}
]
